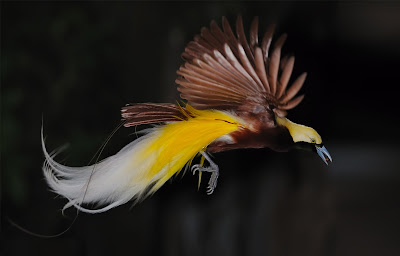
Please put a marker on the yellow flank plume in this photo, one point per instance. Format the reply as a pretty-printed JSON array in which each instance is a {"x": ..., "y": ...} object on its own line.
[
  {"x": 142, "y": 166},
  {"x": 178, "y": 143}
]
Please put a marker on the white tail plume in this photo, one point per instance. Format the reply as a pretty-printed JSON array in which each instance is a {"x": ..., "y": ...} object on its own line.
[{"x": 112, "y": 181}]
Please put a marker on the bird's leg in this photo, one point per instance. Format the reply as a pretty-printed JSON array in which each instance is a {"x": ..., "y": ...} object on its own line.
[{"x": 213, "y": 168}]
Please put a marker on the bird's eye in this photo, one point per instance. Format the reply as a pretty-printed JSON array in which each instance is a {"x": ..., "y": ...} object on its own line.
[{"x": 312, "y": 140}]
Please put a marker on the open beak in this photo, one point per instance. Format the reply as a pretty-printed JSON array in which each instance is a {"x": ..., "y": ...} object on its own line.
[{"x": 323, "y": 153}]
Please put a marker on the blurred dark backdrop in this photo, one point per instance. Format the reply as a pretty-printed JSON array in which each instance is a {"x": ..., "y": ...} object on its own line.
[{"x": 73, "y": 65}]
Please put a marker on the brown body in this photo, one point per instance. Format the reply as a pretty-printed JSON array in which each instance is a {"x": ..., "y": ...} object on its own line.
[
  {"x": 276, "y": 138},
  {"x": 264, "y": 132}
]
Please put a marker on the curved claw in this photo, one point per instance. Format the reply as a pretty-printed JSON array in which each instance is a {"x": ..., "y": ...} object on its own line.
[
  {"x": 213, "y": 168},
  {"x": 212, "y": 183},
  {"x": 195, "y": 168}
]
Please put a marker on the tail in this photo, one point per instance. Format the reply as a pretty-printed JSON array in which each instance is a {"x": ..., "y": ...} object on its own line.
[
  {"x": 111, "y": 182},
  {"x": 141, "y": 167}
]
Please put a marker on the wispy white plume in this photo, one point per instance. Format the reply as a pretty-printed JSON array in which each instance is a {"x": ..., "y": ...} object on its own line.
[{"x": 111, "y": 182}]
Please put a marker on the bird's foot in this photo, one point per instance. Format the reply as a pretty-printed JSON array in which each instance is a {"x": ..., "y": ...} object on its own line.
[{"x": 213, "y": 168}]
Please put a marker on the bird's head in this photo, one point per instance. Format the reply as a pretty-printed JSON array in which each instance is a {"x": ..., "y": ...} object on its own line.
[{"x": 305, "y": 138}]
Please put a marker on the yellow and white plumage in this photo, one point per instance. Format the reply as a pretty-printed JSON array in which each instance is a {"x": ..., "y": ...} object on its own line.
[{"x": 141, "y": 167}]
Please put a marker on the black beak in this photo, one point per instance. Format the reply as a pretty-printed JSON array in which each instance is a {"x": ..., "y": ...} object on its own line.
[{"x": 323, "y": 153}]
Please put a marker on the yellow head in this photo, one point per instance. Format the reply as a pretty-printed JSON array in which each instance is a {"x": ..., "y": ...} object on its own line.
[
  {"x": 302, "y": 133},
  {"x": 299, "y": 132}
]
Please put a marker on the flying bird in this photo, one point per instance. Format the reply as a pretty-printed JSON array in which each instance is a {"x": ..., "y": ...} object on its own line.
[{"x": 236, "y": 96}]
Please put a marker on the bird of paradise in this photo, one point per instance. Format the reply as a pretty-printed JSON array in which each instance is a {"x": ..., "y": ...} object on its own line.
[{"x": 237, "y": 96}]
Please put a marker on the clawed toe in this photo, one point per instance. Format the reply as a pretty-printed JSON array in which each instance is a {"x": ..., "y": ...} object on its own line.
[
  {"x": 212, "y": 183},
  {"x": 213, "y": 168},
  {"x": 195, "y": 168}
]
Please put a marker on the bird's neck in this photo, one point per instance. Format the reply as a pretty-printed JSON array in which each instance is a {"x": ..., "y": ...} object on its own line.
[{"x": 297, "y": 131}]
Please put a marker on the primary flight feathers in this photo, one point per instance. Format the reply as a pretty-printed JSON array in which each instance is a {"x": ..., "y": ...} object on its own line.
[
  {"x": 237, "y": 96},
  {"x": 224, "y": 71}
]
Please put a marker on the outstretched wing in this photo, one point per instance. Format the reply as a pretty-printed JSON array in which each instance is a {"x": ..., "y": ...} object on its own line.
[{"x": 224, "y": 71}]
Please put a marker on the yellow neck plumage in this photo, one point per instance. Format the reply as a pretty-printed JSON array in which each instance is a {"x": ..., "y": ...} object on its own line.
[{"x": 300, "y": 133}]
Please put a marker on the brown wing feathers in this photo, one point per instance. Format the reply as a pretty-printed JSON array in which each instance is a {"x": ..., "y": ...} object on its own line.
[
  {"x": 224, "y": 71},
  {"x": 221, "y": 67}
]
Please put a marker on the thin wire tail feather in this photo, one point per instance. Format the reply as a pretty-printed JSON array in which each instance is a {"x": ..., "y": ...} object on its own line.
[{"x": 140, "y": 168}]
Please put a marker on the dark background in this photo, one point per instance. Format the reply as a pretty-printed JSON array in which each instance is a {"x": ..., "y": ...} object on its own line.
[{"x": 73, "y": 65}]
